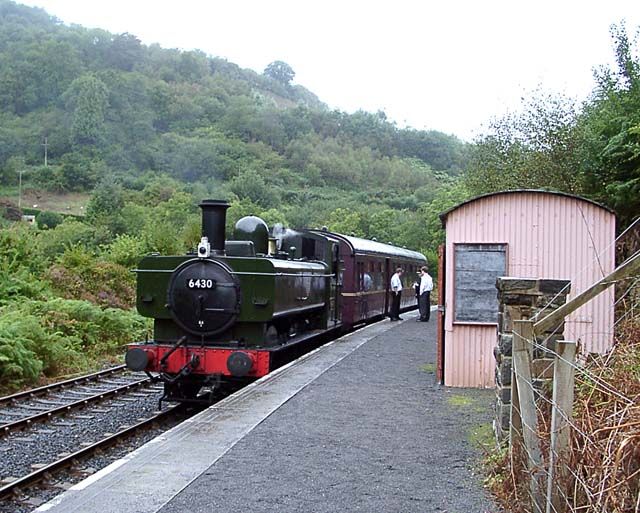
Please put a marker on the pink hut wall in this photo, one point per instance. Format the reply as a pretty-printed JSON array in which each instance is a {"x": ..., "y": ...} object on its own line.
[{"x": 548, "y": 236}]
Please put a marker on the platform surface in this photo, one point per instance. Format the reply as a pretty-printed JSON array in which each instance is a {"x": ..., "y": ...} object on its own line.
[{"x": 359, "y": 425}]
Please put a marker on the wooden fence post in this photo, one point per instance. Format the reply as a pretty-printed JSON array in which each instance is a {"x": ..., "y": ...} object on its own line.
[
  {"x": 563, "y": 386},
  {"x": 522, "y": 339}
]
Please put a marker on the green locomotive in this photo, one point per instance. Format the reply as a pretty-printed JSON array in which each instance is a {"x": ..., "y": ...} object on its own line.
[{"x": 235, "y": 310}]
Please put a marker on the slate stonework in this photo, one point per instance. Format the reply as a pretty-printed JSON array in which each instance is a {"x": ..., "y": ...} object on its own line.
[{"x": 523, "y": 298}]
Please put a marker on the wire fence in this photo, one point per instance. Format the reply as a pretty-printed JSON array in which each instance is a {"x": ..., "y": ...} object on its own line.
[{"x": 575, "y": 444}]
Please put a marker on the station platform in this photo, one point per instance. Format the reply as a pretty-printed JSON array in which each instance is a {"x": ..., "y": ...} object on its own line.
[{"x": 358, "y": 425}]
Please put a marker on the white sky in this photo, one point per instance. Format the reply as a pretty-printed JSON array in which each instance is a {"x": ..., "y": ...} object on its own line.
[{"x": 445, "y": 65}]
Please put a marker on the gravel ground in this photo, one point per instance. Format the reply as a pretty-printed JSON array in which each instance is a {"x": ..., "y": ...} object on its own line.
[
  {"x": 42, "y": 444},
  {"x": 374, "y": 433}
]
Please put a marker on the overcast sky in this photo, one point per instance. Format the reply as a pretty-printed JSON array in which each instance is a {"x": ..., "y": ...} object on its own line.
[{"x": 446, "y": 65}]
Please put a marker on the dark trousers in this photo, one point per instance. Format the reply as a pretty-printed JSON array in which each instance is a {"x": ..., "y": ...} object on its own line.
[
  {"x": 424, "y": 304},
  {"x": 395, "y": 305}
]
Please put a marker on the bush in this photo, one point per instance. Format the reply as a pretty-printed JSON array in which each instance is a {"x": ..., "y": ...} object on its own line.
[
  {"x": 27, "y": 349},
  {"x": 126, "y": 250},
  {"x": 97, "y": 330},
  {"x": 79, "y": 275},
  {"x": 47, "y": 220},
  {"x": 18, "y": 364},
  {"x": 70, "y": 233},
  {"x": 61, "y": 336},
  {"x": 20, "y": 265}
]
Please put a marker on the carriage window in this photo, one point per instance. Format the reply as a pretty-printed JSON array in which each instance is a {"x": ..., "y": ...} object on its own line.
[
  {"x": 476, "y": 268},
  {"x": 367, "y": 280},
  {"x": 377, "y": 277}
]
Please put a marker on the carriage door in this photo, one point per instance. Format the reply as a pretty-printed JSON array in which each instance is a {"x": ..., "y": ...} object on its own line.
[
  {"x": 335, "y": 314},
  {"x": 387, "y": 279}
]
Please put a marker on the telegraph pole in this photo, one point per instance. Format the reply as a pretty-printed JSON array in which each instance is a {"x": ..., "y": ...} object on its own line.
[
  {"x": 20, "y": 188},
  {"x": 45, "y": 151}
]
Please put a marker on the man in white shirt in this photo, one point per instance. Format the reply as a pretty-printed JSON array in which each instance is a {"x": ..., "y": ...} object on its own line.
[
  {"x": 424, "y": 302},
  {"x": 396, "y": 293}
]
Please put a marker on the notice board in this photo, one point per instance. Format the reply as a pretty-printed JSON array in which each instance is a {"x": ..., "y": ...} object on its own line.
[{"x": 476, "y": 268}]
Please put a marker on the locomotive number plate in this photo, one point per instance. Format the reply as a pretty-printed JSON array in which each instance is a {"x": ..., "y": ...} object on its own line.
[{"x": 201, "y": 284}]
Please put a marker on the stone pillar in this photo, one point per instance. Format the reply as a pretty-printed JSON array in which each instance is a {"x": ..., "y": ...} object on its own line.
[{"x": 523, "y": 298}]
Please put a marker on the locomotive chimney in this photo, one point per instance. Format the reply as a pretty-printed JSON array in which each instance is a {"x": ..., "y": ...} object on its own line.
[{"x": 214, "y": 218}]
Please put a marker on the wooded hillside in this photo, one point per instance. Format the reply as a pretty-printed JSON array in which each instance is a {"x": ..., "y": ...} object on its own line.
[{"x": 110, "y": 107}]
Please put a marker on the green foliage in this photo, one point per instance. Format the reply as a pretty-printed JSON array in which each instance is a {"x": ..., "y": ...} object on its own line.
[
  {"x": 47, "y": 220},
  {"x": 60, "y": 336},
  {"x": 611, "y": 128},
  {"x": 280, "y": 71},
  {"x": 126, "y": 250},
  {"x": 87, "y": 98},
  {"x": 251, "y": 186},
  {"x": 20, "y": 339},
  {"x": 552, "y": 144},
  {"x": 430, "y": 225},
  {"x": 9, "y": 172},
  {"x": 19, "y": 264},
  {"x": 77, "y": 275},
  {"x": 344, "y": 221},
  {"x": 109, "y": 104},
  {"x": 50, "y": 179},
  {"x": 534, "y": 149},
  {"x": 65, "y": 235},
  {"x": 107, "y": 200},
  {"x": 75, "y": 173}
]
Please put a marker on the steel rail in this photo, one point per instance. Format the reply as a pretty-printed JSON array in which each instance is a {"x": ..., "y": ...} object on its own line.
[
  {"x": 71, "y": 459},
  {"x": 27, "y": 421},
  {"x": 36, "y": 392}
]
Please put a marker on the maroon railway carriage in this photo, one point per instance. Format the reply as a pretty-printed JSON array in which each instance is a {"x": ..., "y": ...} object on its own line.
[{"x": 366, "y": 270}]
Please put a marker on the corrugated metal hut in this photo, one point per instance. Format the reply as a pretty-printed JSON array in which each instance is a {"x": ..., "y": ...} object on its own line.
[{"x": 522, "y": 233}]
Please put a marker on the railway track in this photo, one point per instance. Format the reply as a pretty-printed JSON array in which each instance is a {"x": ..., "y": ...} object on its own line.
[
  {"x": 47, "y": 433},
  {"x": 47, "y": 472},
  {"x": 44, "y": 390},
  {"x": 21, "y": 410}
]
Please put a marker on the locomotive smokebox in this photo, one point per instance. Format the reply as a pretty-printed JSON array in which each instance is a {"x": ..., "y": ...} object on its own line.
[{"x": 214, "y": 218}]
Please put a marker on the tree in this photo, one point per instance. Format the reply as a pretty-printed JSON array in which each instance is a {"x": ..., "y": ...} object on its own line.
[
  {"x": 611, "y": 128},
  {"x": 107, "y": 199},
  {"x": 345, "y": 221},
  {"x": 87, "y": 97},
  {"x": 125, "y": 50},
  {"x": 280, "y": 71},
  {"x": 250, "y": 185},
  {"x": 536, "y": 148}
]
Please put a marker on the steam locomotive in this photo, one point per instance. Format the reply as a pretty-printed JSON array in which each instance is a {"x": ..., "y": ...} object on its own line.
[{"x": 233, "y": 311}]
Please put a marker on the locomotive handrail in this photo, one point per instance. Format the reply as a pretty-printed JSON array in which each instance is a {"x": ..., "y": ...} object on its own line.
[
  {"x": 243, "y": 273},
  {"x": 303, "y": 275}
]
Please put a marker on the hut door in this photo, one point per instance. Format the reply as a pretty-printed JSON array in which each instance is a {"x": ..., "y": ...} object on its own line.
[{"x": 440, "y": 316}]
